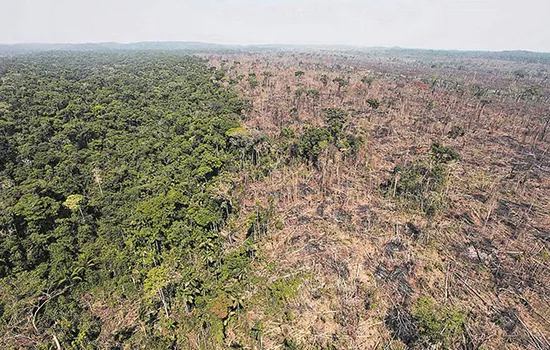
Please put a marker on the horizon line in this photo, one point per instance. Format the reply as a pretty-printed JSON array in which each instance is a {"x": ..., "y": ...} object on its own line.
[{"x": 303, "y": 45}]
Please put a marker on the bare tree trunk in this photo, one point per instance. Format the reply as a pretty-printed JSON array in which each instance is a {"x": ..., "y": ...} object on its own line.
[
  {"x": 165, "y": 305},
  {"x": 545, "y": 129}
]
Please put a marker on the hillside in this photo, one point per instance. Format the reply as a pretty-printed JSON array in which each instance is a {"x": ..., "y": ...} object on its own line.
[{"x": 274, "y": 198}]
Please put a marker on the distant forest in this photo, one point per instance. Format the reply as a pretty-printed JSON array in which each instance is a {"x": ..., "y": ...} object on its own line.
[{"x": 518, "y": 56}]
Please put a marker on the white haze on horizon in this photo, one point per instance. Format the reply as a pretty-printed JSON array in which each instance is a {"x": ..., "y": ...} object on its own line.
[{"x": 434, "y": 24}]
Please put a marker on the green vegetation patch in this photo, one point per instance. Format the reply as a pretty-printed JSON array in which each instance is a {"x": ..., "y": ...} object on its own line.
[
  {"x": 420, "y": 183},
  {"x": 437, "y": 324},
  {"x": 316, "y": 140}
]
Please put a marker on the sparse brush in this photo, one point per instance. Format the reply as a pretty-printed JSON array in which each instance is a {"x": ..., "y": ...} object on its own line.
[
  {"x": 421, "y": 182},
  {"x": 418, "y": 183},
  {"x": 436, "y": 324}
]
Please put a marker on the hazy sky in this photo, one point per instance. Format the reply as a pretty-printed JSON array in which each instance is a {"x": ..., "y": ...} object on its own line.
[{"x": 450, "y": 24}]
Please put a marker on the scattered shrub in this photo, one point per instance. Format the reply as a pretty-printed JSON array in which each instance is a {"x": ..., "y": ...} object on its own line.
[
  {"x": 421, "y": 182},
  {"x": 418, "y": 182},
  {"x": 456, "y": 132},
  {"x": 373, "y": 103},
  {"x": 368, "y": 79},
  {"x": 444, "y": 154},
  {"x": 438, "y": 325},
  {"x": 285, "y": 289},
  {"x": 290, "y": 344},
  {"x": 335, "y": 119},
  {"x": 312, "y": 93},
  {"x": 313, "y": 142}
]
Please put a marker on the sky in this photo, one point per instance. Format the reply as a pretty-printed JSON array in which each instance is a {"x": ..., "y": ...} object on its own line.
[{"x": 433, "y": 24}]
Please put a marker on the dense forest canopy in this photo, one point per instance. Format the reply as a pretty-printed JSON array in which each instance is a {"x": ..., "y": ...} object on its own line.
[{"x": 109, "y": 165}]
